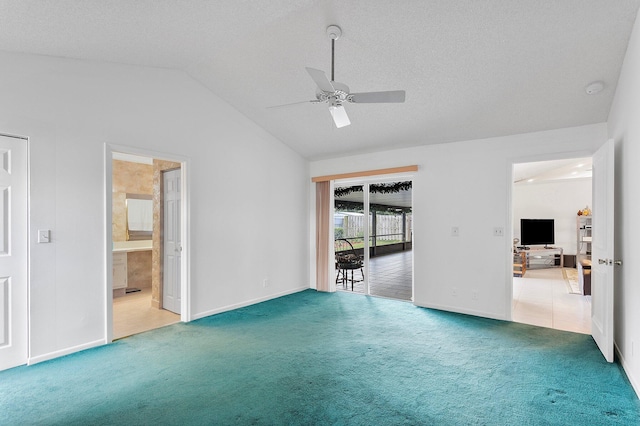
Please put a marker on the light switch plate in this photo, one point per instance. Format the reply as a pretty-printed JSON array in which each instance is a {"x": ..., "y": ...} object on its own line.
[{"x": 44, "y": 236}]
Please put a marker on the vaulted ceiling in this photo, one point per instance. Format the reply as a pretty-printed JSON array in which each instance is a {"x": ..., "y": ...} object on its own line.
[{"x": 471, "y": 69}]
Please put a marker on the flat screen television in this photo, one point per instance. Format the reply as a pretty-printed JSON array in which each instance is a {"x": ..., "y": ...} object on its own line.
[{"x": 536, "y": 232}]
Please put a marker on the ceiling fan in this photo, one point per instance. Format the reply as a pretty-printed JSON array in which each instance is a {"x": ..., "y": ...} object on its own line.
[{"x": 336, "y": 94}]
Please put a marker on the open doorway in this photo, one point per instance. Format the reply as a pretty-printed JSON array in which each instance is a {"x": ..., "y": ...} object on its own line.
[
  {"x": 551, "y": 244},
  {"x": 373, "y": 238},
  {"x": 140, "y": 194}
]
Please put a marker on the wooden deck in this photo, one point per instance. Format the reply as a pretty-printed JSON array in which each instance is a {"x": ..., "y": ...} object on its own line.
[{"x": 390, "y": 276}]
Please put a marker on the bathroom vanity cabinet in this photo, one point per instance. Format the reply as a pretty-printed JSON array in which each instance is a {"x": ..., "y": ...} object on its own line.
[
  {"x": 119, "y": 273},
  {"x": 131, "y": 265}
]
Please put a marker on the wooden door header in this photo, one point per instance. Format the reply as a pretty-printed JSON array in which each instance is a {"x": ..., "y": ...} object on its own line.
[{"x": 392, "y": 170}]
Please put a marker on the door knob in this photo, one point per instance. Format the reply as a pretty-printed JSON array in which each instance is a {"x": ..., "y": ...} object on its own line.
[{"x": 618, "y": 262}]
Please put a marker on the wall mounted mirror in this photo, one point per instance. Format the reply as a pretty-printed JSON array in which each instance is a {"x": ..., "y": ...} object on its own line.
[{"x": 139, "y": 217}]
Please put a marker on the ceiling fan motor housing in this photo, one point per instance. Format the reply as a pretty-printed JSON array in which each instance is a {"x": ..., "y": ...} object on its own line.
[{"x": 339, "y": 95}]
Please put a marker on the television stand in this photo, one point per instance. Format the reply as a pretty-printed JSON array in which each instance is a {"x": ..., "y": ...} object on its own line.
[{"x": 544, "y": 257}]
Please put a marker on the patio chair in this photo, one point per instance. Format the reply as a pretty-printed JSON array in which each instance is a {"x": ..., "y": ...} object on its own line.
[{"x": 347, "y": 260}]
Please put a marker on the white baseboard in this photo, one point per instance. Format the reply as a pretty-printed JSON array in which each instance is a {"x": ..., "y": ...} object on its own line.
[
  {"x": 627, "y": 369},
  {"x": 246, "y": 303},
  {"x": 66, "y": 351},
  {"x": 461, "y": 311}
]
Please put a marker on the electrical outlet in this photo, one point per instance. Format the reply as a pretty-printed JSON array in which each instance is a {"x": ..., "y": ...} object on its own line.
[
  {"x": 454, "y": 292},
  {"x": 498, "y": 231},
  {"x": 265, "y": 282},
  {"x": 474, "y": 295},
  {"x": 455, "y": 231}
]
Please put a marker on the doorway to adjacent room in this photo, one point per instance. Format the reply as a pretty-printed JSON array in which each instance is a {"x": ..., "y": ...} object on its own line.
[
  {"x": 145, "y": 215},
  {"x": 373, "y": 237},
  {"x": 551, "y": 244}
]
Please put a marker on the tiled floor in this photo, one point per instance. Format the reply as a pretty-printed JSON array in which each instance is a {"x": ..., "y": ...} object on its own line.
[
  {"x": 133, "y": 314},
  {"x": 390, "y": 276},
  {"x": 541, "y": 298}
]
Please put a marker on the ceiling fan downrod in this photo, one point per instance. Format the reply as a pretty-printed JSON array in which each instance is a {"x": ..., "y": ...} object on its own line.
[
  {"x": 333, "y": 32},
  {"x": 333, "y": 44}
]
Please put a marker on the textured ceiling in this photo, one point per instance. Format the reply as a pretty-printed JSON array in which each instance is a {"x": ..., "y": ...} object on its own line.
[{"x": 471, "y": 69}]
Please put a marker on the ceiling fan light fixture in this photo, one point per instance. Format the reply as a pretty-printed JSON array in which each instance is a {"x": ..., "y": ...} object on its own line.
[{"x": 339, "y": 114}]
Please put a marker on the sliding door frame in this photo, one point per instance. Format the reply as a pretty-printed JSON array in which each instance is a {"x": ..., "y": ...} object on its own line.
[
  {"x": 399, "y": 173},
  {"x": 366, "y": 182}
]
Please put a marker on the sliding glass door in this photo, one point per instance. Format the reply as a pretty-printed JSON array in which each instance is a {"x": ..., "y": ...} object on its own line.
[
  {"x": 373, "y": 225},
  {"x": 349, "y": 232}
]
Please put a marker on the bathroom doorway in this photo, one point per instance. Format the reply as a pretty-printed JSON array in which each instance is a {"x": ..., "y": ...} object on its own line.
[{"x": 136, "y": 218}]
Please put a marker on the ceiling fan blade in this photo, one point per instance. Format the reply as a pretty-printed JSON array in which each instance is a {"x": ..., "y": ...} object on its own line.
[
  {"x": 321, "y": 80},
  {"x": 393, "y": 96},
  {"x": 314, "y": 101},
  {"x": 339, "y": 115}
]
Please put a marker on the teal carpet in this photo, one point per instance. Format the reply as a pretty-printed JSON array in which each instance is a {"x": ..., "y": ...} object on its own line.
[{"x": 317, "y": 358}]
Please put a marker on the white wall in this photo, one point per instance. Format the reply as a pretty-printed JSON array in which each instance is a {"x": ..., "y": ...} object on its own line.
[
  {"x": 241, "y": 180},
  {"x": 624, "y": 128},
  {"x": 558, "y": 200},
  {"x": 468, "y": 185}
]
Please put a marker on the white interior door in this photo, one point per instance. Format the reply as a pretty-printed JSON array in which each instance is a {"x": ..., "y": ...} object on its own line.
[
  {"x": 171, "y": 299},
  {"x": 13, "y": 252},
  {"x": 602, "y": 273}
]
